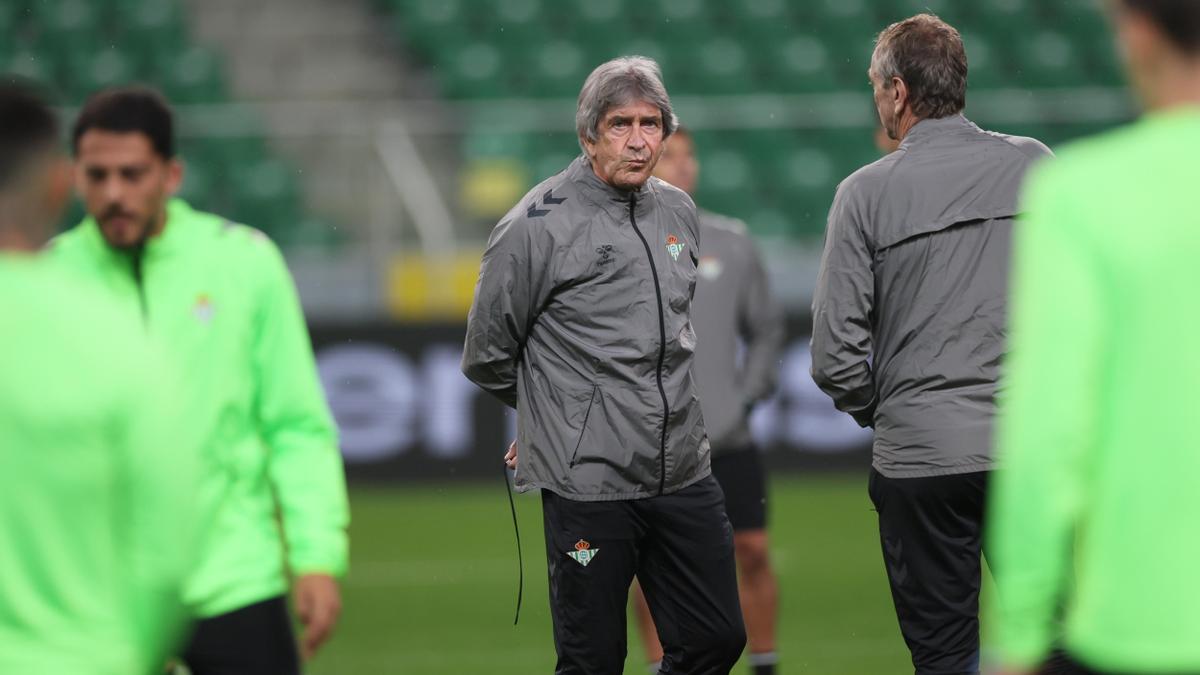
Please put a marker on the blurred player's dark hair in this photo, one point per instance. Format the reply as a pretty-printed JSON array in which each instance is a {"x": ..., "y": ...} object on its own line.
[
  {"x": 1179, "y": 20},
  {"x": 124, "y": 109},
  {"x": 28, "y": 127}
]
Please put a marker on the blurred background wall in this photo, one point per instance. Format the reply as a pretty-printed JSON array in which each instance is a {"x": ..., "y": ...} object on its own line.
[{"x": 378, "y": 141}]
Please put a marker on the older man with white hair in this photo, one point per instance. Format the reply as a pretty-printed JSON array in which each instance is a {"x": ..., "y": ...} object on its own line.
[{"x": 582, "y": 322}]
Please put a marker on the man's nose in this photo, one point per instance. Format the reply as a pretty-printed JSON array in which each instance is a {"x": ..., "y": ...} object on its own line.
[
  {"x": 637, "y": 139},
  {"x": 112, "y": 190}
]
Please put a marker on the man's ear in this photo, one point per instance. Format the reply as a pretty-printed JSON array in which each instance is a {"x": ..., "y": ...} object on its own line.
[
  {"x": 174, "y": 175},
  {"x": 589, "y": 148},
  {"x": 899, "y": 94}
]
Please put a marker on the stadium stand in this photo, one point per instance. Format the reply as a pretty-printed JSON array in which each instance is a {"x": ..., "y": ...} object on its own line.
[
  {"x": 780, "y": 181},
  {"x": 79, "y": 46}
]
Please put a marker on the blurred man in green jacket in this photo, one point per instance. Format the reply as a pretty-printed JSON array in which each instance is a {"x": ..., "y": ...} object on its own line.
[
  {"x": 98, "y": 472},
  {"x": 221, "y": 298},
  {"x": 1095, "y": 508}
]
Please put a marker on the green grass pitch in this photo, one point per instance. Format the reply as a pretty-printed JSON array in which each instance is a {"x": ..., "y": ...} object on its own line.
[{"x": 433, "y": 584}]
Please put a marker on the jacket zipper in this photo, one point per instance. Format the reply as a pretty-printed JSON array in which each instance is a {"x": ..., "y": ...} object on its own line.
[
  {"x": 662, "y": 348},
  {"x": 136, "y": 262}
]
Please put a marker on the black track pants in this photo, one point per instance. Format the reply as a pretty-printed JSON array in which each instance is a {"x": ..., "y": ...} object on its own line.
[{"x": 680, "y": 546}]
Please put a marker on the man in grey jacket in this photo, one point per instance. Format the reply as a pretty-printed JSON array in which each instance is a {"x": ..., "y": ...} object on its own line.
[
  {"x": 909, "y": 326},
  {"x": 734, "y": 315},
  {"x": 582, "y": 322}
]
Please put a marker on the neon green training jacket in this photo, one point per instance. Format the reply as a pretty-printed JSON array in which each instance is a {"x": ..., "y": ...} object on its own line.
[
  {"x": 1096, "y": 503},
  {"x": 220, "y": 297},
  {"x": 98, "y": 482}
]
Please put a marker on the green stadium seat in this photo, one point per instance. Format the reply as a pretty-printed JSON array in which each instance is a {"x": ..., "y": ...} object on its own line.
[
  {"x": 726, "y": 180},
  {"x": 1005, "y": 18},
  {"x": 426, "y": 23},
  {"x": 891, "y": 11},
  {"x": 432, "y": 15},
  {"x": 11, "y": 21},
  {"x": 762, "y": 12},
  {"x": 665, "y": 18},
  {"x": 555, "y": 69},
  {"x": 1047, "y": 58},
  {"x": 314, "y": 232},
  {"x": 483, "y": 143},
  {"x": 32, "y": 65},
  {"x": 548, "y": 164},
  {"x": 478, "y": 71},
  {"x": 1103, "y": 66},
  {"x": 266, "y": 195},
  {"x": 90, "y": 71},
  {"x": 672, "y": 62},
  {"x": 65, "y": 27},
  {"x": 799, "y": 64},
  {"x": 194, "y": 76},
  {"x": 849, "y": 149},
  {"x": 77, "y": 46},
  {"x": 985, "y": 62},
  {"x": 586, "y": 19},
  {"x": 510, "y": 24},
  {"x": 768, "y": 221},
  {"x": 717, "y": 66},
  {"x": 199, "y": 181}
]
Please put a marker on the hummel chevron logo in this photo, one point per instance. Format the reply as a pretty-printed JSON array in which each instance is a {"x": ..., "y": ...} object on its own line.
[{"x": 547, "y": 200}]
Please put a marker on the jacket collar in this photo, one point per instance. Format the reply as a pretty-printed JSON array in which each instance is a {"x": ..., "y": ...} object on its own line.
[
  {"x": 176, "y": 234},
  {"x": 613, "y": 200},
  {"x": 930, "y": 128}
]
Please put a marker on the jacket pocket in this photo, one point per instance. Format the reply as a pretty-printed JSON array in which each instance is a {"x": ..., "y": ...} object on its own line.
[{"x": 587, "y": 414}]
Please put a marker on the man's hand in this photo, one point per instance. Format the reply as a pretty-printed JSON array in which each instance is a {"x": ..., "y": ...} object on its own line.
[
  {"x": 510, "y": 457},
  {"x": 318, "y": 603}
]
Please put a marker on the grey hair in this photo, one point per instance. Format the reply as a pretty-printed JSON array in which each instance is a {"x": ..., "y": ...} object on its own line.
[
  {"x": 618, "y": 82},
  {"x": 928, "y": 54}
]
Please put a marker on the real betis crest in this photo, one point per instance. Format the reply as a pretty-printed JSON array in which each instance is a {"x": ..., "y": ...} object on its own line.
[
  {"x": 583, "y": 553},
  {"x": 674, "y": 247}
]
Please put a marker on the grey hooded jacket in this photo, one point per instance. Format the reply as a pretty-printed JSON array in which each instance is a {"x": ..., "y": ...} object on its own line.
[
  {"x": 909, "y": 312},
  {"x": 733, "y": 313},
  {"x": 581, "y": 321}
]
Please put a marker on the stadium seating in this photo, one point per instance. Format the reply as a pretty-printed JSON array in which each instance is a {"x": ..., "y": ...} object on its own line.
[
  {"x": 782, "y": 181},
  {"x": 79, "y": 46}
]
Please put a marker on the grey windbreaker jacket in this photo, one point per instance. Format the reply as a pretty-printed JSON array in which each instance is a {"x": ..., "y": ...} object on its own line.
[
  {"x": 733, "y": 309},
  {"x": 909, "y": 313},
  {"x": 581, "y": 321}
]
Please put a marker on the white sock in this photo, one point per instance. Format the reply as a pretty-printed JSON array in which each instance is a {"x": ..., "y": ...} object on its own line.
[{"x": 763, "y": 659}]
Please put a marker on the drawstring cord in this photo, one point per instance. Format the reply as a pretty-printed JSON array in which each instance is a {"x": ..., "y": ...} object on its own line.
[{"x": 512, "y": 505}]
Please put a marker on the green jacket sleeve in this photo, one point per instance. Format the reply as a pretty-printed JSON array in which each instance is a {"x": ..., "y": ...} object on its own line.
[
  {"x": 1048, "y": 415},
  {"x": 161, "y": 474},
  {"x": 304, "y": 464}
]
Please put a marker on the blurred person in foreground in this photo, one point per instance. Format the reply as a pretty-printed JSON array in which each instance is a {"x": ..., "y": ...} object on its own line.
[
  {"x": 582, "y": 322},
  {"x": 1095, "y": 504},
  {"x": 220, "y": 297},
  {"x": 733, "y": 310},
  {"x": 98, "y": 472},
  {"x": 909, "y": 328}
]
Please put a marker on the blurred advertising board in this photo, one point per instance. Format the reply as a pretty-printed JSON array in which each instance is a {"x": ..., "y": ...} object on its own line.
[{"x": 405, "y": 411}]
